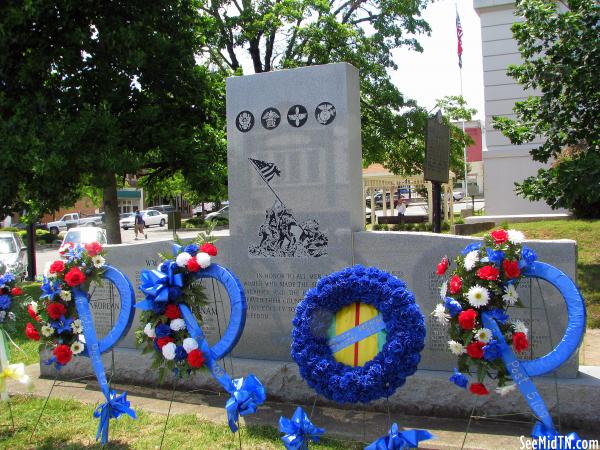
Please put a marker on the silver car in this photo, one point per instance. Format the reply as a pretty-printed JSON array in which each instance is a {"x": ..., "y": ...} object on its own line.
[{"x": 13, "y": 253}]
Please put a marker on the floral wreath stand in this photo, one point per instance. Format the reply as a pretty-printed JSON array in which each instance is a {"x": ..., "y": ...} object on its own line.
[
  {"x": 116, "y": 404},
  {"x": 523, "y": 370}
]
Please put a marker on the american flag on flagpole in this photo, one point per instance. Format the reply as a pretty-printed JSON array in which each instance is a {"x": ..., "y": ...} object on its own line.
[
  {"x": 459, "y": 35},
  {"x": 266, "y": 169}
]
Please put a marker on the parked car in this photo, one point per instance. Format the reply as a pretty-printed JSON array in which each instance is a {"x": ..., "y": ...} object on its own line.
[
  {"x": 85, "y": 235},
  {"x": 150, "y": 217},
  {"x": 13, "y": 254},
  {"x": 223, "y": 213},
  {"x": 166, "y": 209},
  {"x": 458, "y": 195},
  {"x": 71, "y": 220}
]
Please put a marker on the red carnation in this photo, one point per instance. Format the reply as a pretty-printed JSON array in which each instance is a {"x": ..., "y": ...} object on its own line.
[
  {"x": 16, "y": 291},
  {"x": 475, "y": 349},
  {"x": 74, "y": 277},
  {"x": 455, "y": 284},
  {"x": 32, "y": 313},
  {"x": 209, "y": 248},
  {"x": 442, "y": 266},
  {"x": 511, "y": 268},
  {"x": 172, "y": 311},
  {"x": 520, "y": 342},
  {"x": 478, "y": 389},
  {"x": 55, "y": 310},
  {"x": 63, "y": 354},
  {"x": 195, "y": 358},
  {"x": 161, "y": 342},
  {"x": 193, "y": 265},
  {"x": 466, "y": 319},
  {"x": 488, "y": 273},
  {"x": 57, "y": 267},
  {"x": 31, "y": 332},
  {"x": 93, "y": 248},
  {"x": 499, "y": 236}
]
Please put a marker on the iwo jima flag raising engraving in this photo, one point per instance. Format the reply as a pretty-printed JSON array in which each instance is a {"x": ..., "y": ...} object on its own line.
[{"x": 281, "y": 234}]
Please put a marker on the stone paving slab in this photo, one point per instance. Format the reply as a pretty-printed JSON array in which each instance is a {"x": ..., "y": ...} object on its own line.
[{"x": 347, "y": 425}]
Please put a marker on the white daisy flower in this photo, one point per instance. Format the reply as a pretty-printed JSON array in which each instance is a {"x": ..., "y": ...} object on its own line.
[
  {"x": 471, "y": 259},
  {"x": 203, "y": 259},
  {"x": 11, "y": 316},
  {"x": 190, "y": 344},
  {"x": 168, "y": 351},
  {"x": 478, "y": 296},
  {"x": 47, "y": 330},
  {"x": 519, "y": 326},
  {"x": 77, "y": 326},
  {"x": 34, "y": 306},
  {"x": 98, "y": 261},
  {"x": 443, "y": 291},
  {"x": 77, "y": 347},
  {"x": 456, "y": 348},
  {"x": 440, "y": 313},
  {"x": 149, "y": 331},
  {"x": 510, "y": 296},
  {"x": 177, "y": 324},
  {"x": 483, "y": 335},
  {"x": 515, "y": 236},
  {"x": 65, "y": 295},
  {"x": 182, "y": 259},
  {"x": 505, "y": 389}
]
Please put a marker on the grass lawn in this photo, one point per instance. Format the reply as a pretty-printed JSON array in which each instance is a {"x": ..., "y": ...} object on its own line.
[
  {"x": 587, "y": 234},
  {"x": 68, "y": 424}
]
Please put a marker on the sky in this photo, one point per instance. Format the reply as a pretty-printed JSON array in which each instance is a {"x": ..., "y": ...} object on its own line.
[{"x": 434, "y": 73}]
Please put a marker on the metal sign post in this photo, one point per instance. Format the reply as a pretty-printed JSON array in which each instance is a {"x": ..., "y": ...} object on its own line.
[{"x": 437, "y": 164}]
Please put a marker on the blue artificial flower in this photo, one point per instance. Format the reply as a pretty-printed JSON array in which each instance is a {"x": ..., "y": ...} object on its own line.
[
  {"x": 452, "y": 306},
  {"x": 492, "y": 350},
  {"x": 459, "y": 379},
  {"x": 75, "y": 252},
  {"x": 495, "y": 256},
  {"x": 192, "y": 249},
  {"x": 174, "y": 293},
  {"x": 62, "y": 325},
  {"x": 471, "y": 247},
  {"x": 5, "y": 301},
  {"x": 7, "y": 278},
  {"x": 499, "y": 315},
  {"x": 50, "y": 289},
  {"x": 528, "y": 254},
  {"x": 180, "y": 353},
  {"x": 163, "y": 330}
]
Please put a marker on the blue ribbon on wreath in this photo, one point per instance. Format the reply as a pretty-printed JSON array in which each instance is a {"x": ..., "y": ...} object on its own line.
[
  {"x": 115, "y": 404},
  {"x": 299, "y": 430},
  {"x": 156, "y": 285},
  {"x": 399, "y": 440}
]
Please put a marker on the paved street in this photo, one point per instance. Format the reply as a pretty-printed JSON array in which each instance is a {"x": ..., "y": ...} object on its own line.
[{"x": 420, "y": 208}]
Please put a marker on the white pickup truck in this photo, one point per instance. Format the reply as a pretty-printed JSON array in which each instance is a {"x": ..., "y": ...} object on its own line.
[{"x": 73, "y": 220}]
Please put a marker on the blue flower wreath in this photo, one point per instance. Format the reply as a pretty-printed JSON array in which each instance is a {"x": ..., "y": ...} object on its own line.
[{"x": 387, "y": 371}]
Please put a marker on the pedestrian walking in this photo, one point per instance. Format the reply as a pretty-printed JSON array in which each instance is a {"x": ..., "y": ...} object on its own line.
[
  {"x": 139, "y": 225},
  {"x": 401, "y": 209}
]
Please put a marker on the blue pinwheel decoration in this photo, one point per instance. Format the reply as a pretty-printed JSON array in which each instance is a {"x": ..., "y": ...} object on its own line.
[
  {"x": 400, "y": 440},
  {"x": 298, "y": 430}
]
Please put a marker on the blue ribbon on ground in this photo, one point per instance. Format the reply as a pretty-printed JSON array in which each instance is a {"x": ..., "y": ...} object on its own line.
[
  {"x": 520, "y": 376},
  {"x": 246, "y": 393},
  {"x": 398, "y": 440},
  {"x": 550, "y": 439},
  {"x": 356, "y": 334},
  {"x": 115, "y": 404},
  {"x": 299, "y": 430}
]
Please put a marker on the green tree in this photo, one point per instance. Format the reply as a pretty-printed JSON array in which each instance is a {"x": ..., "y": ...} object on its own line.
[
  {"x": 276, "y": 34},
  {"x": 96, "y": 89},
  {"x": 560, "y": 47}
]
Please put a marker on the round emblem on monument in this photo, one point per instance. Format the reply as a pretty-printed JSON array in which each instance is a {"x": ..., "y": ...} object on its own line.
[
  {"x": 270, "y": 118},
  {"x": 297, "y": 116},
  {"x": 325, "y": 113},
  {"x": 244, "y": 121}
]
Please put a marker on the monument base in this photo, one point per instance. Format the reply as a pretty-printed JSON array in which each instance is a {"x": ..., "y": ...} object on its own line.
[{"x": 427, "y": 393}]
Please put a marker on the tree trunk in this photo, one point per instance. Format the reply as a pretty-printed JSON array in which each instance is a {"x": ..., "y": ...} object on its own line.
[{"x": 111, "y": 209}]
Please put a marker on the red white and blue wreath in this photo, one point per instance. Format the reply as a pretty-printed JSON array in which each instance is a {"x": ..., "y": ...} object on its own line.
[{"x": 399, "y": 315}]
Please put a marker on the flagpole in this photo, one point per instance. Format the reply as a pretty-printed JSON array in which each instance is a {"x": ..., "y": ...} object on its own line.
[{"x": 463, "y": 122}]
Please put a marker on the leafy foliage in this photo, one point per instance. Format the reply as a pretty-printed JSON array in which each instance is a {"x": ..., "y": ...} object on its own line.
[{"x": 561, "y": 53}]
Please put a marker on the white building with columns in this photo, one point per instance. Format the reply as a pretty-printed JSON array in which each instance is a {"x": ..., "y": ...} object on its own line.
[{"x": 504, "y": 163}]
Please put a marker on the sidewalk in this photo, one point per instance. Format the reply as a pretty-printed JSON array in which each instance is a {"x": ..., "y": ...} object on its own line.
[{"x": 344, "y": 424}]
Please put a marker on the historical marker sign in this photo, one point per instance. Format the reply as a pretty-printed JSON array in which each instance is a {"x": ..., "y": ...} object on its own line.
[{"x": 437, "y": 150}]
